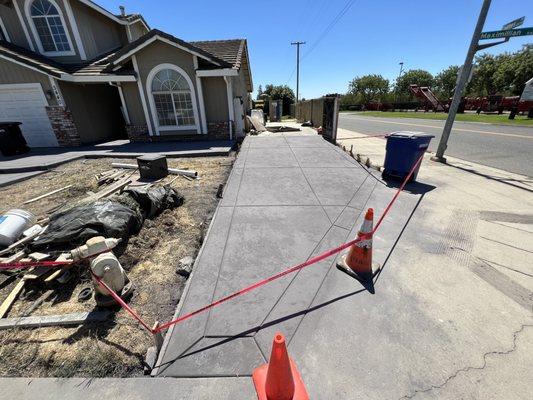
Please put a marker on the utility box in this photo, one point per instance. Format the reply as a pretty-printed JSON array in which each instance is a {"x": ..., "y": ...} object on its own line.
[
  {"x": 403, "y": 151},
  {"x": 12, "y": 141},
  {"x": 152, "y": 166}
]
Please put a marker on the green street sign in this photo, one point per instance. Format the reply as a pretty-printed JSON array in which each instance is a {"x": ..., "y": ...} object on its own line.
[
  {"x": 513, "y": 24},
  {"x": 507, "y": 33}
]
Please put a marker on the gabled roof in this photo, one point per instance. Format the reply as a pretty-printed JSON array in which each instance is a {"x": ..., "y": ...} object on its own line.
[
  {"x": 123, "y": 20},
  {"x": 230, "y": 50},
  {"x": 33, "y": 60},
  {"x": 92, "y": 68},
  {"x": 156, "y": 34}
]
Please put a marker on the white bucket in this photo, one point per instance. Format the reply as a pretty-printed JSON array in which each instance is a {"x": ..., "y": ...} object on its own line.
[{"x": 12, "y": 224}]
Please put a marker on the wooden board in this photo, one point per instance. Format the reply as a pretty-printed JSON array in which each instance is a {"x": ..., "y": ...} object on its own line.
[
  {"x": 54, "y": 320},
  {"x": 22, "y": 241},
  {"x": 58, "y": 272},
  {"x": 47, "y": 194},
  {"x": 11, "y": 297}
]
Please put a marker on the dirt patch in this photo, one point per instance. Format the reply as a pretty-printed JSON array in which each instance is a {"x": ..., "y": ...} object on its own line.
[{"x": 117, "y": 347}]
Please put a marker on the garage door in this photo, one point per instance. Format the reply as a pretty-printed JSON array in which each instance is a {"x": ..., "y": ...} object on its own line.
[{"x": 26, "y": 103}]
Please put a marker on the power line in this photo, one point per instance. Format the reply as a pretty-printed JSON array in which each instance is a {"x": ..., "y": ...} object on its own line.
[{"x": 330, "y": 26}]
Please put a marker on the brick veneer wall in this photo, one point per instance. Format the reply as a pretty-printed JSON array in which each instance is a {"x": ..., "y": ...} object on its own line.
[
  {"x": 63, "y": 125},
  {"x": 138, "y": 133},
  {"x": 215, "y": 131}
]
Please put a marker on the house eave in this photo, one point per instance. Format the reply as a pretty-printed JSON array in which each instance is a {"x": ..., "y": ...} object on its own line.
[
  {"x": 114, "y": 65},
  {"x": 97, "y": 78},
  {"x": 217, "y": 72},
  {"x": 30, "y": 66},
  {"x": 109, "y": 15}
]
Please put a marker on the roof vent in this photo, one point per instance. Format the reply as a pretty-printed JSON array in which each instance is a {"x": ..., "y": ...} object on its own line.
[{"x": 122, "y": 10}]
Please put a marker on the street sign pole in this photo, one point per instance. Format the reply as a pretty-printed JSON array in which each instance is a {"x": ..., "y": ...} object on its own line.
[{"x": 461, "y": 82}]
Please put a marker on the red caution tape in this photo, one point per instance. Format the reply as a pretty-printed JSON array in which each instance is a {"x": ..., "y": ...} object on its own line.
[
  {"x": 32, "y": 264},
  {"x": 365, "y": 137},
  {"x": 123, "y": 304},
  {"x": 295, "y": 268}
]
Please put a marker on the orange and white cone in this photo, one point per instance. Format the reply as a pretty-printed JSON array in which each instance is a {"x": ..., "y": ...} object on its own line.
[
  {"x": 358, "y": 262},
  {"x": 279, "y": 379}
]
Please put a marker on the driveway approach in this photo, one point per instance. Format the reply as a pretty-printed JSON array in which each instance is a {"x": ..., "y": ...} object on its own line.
[
  {"x": 499, "y": 146},
  {"x": 288, "y": 198}
]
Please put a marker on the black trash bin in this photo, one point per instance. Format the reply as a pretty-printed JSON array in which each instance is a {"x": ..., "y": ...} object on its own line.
[
  {"x": 403, "y": 151},
  {"x": 11, "y": 140}
]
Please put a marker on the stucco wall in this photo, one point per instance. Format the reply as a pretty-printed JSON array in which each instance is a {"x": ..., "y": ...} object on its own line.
[
  {"x": 215, "y": 99},
  {"x": 158, "y": 53},
  {"x": 95, "y": 109},
  {"x": 137, "y": 30},
  {"x": 240, "y": 90},
  {"x": 98, "y": 33},
  {"x": 11, "y": 73},
  {"x": 13, "y": 26},
  {"x": 132, "y": 99}
]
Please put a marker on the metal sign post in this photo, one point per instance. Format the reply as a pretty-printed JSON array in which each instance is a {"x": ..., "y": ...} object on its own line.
[
  {"x": 461, "y": 83},
  {"x": 506, "y": 33},
  {"x": 513, "y": 24}
]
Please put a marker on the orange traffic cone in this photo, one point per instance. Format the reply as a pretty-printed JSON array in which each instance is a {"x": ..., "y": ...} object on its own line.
[
  {"x": 358, "y": 262},
  {"x": 279, "y": 379}
]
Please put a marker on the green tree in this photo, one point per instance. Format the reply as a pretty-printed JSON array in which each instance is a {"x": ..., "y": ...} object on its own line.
[
  {"x": 281, "y": 92},
  {"x": 483, "y": 82},
  {"x": 445, "y": 82},
  {"x": 368, "y": 88},
  {"x": 418, "y": 77},
  {"x": 259, "y": 92},
  {"x": 513, "y": 71}
]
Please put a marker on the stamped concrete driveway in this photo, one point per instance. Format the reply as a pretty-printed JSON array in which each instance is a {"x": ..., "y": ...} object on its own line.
[{"x": 289, "y": 198}]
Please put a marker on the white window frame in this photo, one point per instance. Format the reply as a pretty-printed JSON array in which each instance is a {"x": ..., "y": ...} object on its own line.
[
  {"x": 27, "y": 9},
  {"x": 4, "y": 30},
  {"x": 153, "y": 109}
]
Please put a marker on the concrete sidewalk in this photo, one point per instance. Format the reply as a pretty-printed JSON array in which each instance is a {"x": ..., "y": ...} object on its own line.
[{"x": 289, "y": 197}]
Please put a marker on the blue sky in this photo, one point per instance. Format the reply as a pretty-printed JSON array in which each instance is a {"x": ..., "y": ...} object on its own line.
[{"x": 372, "y": 37}]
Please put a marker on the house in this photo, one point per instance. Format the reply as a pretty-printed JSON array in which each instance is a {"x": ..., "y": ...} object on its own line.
[{"x": 73, "y": 73}]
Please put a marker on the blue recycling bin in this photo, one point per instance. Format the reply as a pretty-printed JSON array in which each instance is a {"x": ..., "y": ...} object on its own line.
[{"x": 403, "y": 151}]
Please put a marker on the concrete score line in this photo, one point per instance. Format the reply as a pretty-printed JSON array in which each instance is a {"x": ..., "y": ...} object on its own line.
[{"x": 455, "y": 129}]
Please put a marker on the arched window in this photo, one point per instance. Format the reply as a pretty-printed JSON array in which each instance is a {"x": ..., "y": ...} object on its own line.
[
  {"x": 172, "y": 99},
  {"x": 49, "y": 27}
]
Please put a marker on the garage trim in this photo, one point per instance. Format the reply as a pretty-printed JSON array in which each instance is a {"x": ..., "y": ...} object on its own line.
[
  {"x": 27, "y": 86},
  {"x": 36, "y": 86}
]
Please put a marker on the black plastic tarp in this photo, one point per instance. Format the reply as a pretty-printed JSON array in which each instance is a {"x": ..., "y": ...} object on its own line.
[{"x": 117, "y": 217}]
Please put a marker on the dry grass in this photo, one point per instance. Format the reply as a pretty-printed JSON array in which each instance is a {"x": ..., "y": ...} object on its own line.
[{"x": 117, "y": 347}]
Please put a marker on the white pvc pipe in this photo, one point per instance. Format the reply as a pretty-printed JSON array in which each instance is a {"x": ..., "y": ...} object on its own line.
[{"x": 173, "y": 171}]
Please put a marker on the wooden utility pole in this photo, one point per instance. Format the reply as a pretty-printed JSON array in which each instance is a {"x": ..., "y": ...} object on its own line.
[{"x": 297, "y": 44}]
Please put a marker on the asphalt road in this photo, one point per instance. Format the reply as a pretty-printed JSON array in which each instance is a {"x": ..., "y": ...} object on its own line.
[{"x": 508, "y": 148}]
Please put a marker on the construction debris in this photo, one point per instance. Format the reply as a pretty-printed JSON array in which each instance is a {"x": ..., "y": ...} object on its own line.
[
  {"x": 38, "y": 302},
  {"x": 173, "y": 171},
  {"x": 12, "y": 224},
  {"x": 75, "y": 226},
  {"x": 258, "y": 126},
  {"x": 185, "y": 266},
  {"x": 152, "y": 166},
  {"x": 47, "y": 194},
  {"x": 54, "y": 320},
  {"x": 283, "y": 128},
  {"x": 94, "y": 246},
  {"x": 60, "y": 290},
  {"x": 11, "y": 297},
  {"x": 107, "y": 267}
]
